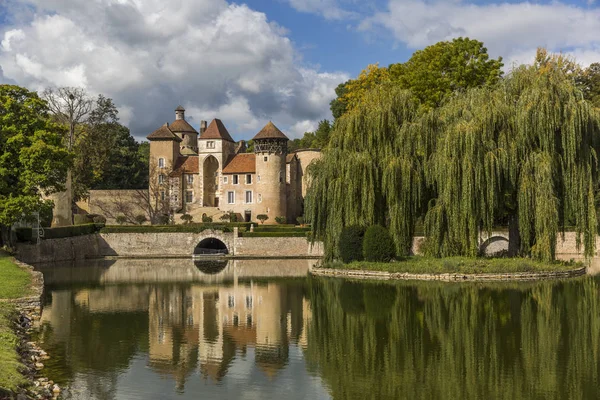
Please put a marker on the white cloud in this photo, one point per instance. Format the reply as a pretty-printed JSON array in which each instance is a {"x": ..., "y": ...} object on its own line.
[
  {"x": 299, "y": 128},
  {"x": 511, "y": 30},
  {"x": 219, "y": 60}
]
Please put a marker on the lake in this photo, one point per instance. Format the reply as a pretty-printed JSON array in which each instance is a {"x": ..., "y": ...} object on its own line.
[{"x": 264, "y": 329}]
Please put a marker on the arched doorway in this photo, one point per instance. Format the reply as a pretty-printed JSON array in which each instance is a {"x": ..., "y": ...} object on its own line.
[
  {"x": 210, "y": 170},
  {"x": 211, "y": 246}
]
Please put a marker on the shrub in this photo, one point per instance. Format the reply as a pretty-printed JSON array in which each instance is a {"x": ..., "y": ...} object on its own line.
[
  {"x": 121, "y": 219},
  {"x": 26, "y": 234},
  {"x": 206, "y": 219},
  {"x": 224, "y": 217},
  {"x": 187, "y": 228},
  {"x": 81, "y": 219},
  {"x": 280, "y": 220},
  {"x": 300, "y": 220},
  {"x": 378, "y": 244},
  {"x": 233, "y": 217},
  {"x": 350, "y": 245},
  {"x": 140, "y": 219},
  {"x": 274, "y": 234},
  {"x": 187, "y": 218},
  {"x": 99, "y": 219},
  {"x": 262, "y": 218},
  {"x": 162, "y": 219}
]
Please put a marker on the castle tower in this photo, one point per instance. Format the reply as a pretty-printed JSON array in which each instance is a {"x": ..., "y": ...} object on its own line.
[
  {"x": 270, "y": 147},
  {"x": 183, "y": 130},
  {"x": 164, "y": 151},
  {"x": 215, "y": 145}
]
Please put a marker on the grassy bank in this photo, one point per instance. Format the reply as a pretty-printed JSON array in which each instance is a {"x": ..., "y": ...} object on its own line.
[
  {"x": 459, "y": 265},
  {"x": 15, "y": 282},
  {"x": 10, "y": 377}
]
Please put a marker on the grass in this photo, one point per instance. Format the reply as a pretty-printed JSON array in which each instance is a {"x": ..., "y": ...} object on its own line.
[
  {"x": 15, "y": 283},
  {"x": 459, "y": 265}
]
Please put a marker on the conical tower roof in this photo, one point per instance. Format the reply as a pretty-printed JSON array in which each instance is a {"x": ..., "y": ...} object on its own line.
[{"x": 270, "y": 131}]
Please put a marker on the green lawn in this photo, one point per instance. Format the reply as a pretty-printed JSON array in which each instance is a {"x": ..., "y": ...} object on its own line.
[
  {"x": 10, "y": 377},
  {"x": 14, "y": 280},
  {"x": 460, "y": 265}
]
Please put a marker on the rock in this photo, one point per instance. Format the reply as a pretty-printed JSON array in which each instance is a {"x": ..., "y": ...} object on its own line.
[
  {"x": 56, "y": 389},
  {"x": 39, "y": 366}
]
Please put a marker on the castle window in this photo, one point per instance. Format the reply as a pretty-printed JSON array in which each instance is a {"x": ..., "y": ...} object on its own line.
[
  {"x": 210, "y": 144},
  {"x": 260, "y": 198},
  {"x": 225, "y": 179},
  {"x": 190, "y": 179},
  {"x": 161, "y": 179},
  {"x": 231, "y": 197},
  {"x": 235, "y": 179},
  {"x": 248, "y": 302},
  {"x": 162, "y": 195},
  {"x": 161, "y": 162},
  {"x": 236, "y": 320},
  {"x": 266, "y": 158},
  {"x": 189, "y": 196},
  {"x": 280, "y": 177},
  {"x": 249, "y": 320},
  {"x": 258, "y": 178},
  {"x": 248, "y": 179},
  {"x": 230, "y": 301},
  {"x": 248, "y": 196}
]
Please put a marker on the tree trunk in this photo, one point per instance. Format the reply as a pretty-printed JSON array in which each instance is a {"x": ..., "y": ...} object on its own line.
[{"x": 514, "y": 237}]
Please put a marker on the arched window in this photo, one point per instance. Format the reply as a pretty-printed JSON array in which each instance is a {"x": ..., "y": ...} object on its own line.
[
  {"x": 161, "y": 162},
  {"x": 161, "y": 179}
]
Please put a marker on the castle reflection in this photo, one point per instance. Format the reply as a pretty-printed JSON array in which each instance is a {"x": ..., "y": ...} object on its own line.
[{"x": 192, "y": 327}]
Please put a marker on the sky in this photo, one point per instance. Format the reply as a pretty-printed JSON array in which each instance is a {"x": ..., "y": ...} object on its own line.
[{"x": 250, "y": 62}]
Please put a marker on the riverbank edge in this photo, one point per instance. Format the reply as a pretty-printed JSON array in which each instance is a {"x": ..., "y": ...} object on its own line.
[
  {"x": 28, "y": 311},
  {"x": 448, "y": 277}
]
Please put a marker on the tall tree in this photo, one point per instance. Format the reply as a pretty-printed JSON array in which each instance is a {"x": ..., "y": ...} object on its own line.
[
  {"x": 33, "y": 161},
  {"x": 590, "y": 84}
]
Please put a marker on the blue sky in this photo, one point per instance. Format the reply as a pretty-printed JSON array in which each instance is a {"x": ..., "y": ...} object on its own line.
[{"x": 250, "y": 62}]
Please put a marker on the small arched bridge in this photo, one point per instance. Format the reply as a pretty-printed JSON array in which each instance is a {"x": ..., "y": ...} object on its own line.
[{"x": 493, "y": 243}]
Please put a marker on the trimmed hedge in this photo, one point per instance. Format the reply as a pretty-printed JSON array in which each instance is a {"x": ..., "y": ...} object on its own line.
[
  {"x": 26, "y": 234},
  {"x": 378, "y": 244},
  {"x": 274, "y": 228},
  {"x": 187, "y": 228},
  {"x": 273, "y": 234},
  {"x": 350, "y": 245}
]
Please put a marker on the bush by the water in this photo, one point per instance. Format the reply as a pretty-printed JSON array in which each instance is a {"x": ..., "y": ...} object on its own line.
[
  {"x": 378, "y": 244},
  {"x": 26, "y": 234},
  {"x": 351, "y": 243}
]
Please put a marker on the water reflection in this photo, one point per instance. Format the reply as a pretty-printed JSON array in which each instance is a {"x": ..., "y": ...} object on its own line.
[{"x": 113, "y": 328}]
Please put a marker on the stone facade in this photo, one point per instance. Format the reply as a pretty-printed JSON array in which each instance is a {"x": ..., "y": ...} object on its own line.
[{"x": 192, "y": 170}]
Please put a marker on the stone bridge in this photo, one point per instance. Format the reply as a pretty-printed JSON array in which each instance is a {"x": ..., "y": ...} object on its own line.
[{"x": 493, "y": 243}]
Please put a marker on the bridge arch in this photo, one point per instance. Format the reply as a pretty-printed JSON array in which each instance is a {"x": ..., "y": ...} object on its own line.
[
  {"x": 211, "y": 245},
  {"x": 494, "y": 245}
]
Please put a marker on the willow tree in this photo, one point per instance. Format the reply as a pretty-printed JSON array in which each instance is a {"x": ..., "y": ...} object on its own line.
[
  {"x": 372, "y": 171},
  {"x": 527, "y": 147}
]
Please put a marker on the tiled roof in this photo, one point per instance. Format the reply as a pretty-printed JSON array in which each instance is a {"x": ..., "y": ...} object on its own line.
[
  {"x": 243, "y": 163},
  {"x": 186, "y": 165},
  {"x": 270, "y": 131},
  {"x": 163, "y": 133},
  {"x": 289, "y": 158},
  {"x": 181, "y": 125},
  {"x": 186, "y": 151},
  {"x": 216, "y": 130}
]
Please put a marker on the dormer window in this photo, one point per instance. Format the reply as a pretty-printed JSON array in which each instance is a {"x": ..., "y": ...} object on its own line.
[{"x": 210, "y": 144}]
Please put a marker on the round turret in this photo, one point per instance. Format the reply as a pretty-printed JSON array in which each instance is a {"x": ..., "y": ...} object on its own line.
[
  {"x": 185, "y": 132},
  {"x": 270, "y": 148}
]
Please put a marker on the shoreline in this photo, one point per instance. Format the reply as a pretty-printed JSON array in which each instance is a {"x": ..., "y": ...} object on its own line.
[
  {"x": 27, "y": 312},
  {"x": 448, "y": 277}
]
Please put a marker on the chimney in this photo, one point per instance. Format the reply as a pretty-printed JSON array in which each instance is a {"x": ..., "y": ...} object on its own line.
[
  {"x": 202, "y": 126},
  {"x": 179, "y": 113}
]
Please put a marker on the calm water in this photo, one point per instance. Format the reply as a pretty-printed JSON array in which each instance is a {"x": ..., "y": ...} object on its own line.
[{"x": 170, "y": 329}]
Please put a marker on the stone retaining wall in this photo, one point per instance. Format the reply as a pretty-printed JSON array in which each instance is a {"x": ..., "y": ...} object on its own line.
[
  {"x": 381, "y": 275},
  {"x": 277, "y": 247}
]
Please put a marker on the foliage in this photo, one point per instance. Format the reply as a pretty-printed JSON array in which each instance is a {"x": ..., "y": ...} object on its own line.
[
  {"x": 26, "y": 234},
  {"x": 187, "y": 218},
  {"x": 140, "y": 219},
  {"x": 99, "y": 219},
  {"x": 589, "y": 82},
  {"x": 351, "y": 243},
  {"x": 81, "y": 219},
  {"x": 206, "y": 219},
  {"x": 274, "y": 234},
  {"x": 437, "y": 71},
  {"x": 280, "y": 220},
  {"x": 187, "y": 228},
  {"x": 372, "y": 172},
  {"x": 459, "y": 265},
  {"x": 313, "y": 140},
  {"x": 33, "y": 160},
  {"x": 338, "y": 105},
  {"x": 162, "y": 219},
  {"x": 121, "y": 219},
  {"x": 378, "y": 244},
  {"x": 300, "y": 220},
  {"x": 262, "y": 218}
]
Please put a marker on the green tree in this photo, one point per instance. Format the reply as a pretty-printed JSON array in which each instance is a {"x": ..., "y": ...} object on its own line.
[
  {"x": 33, "y": 160},
  {"x": 590, "y": 84},
  {"x": 446, "y": 67},
  {"x": 317, "y": 139},
  {"x": 338, "y": 105}
]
